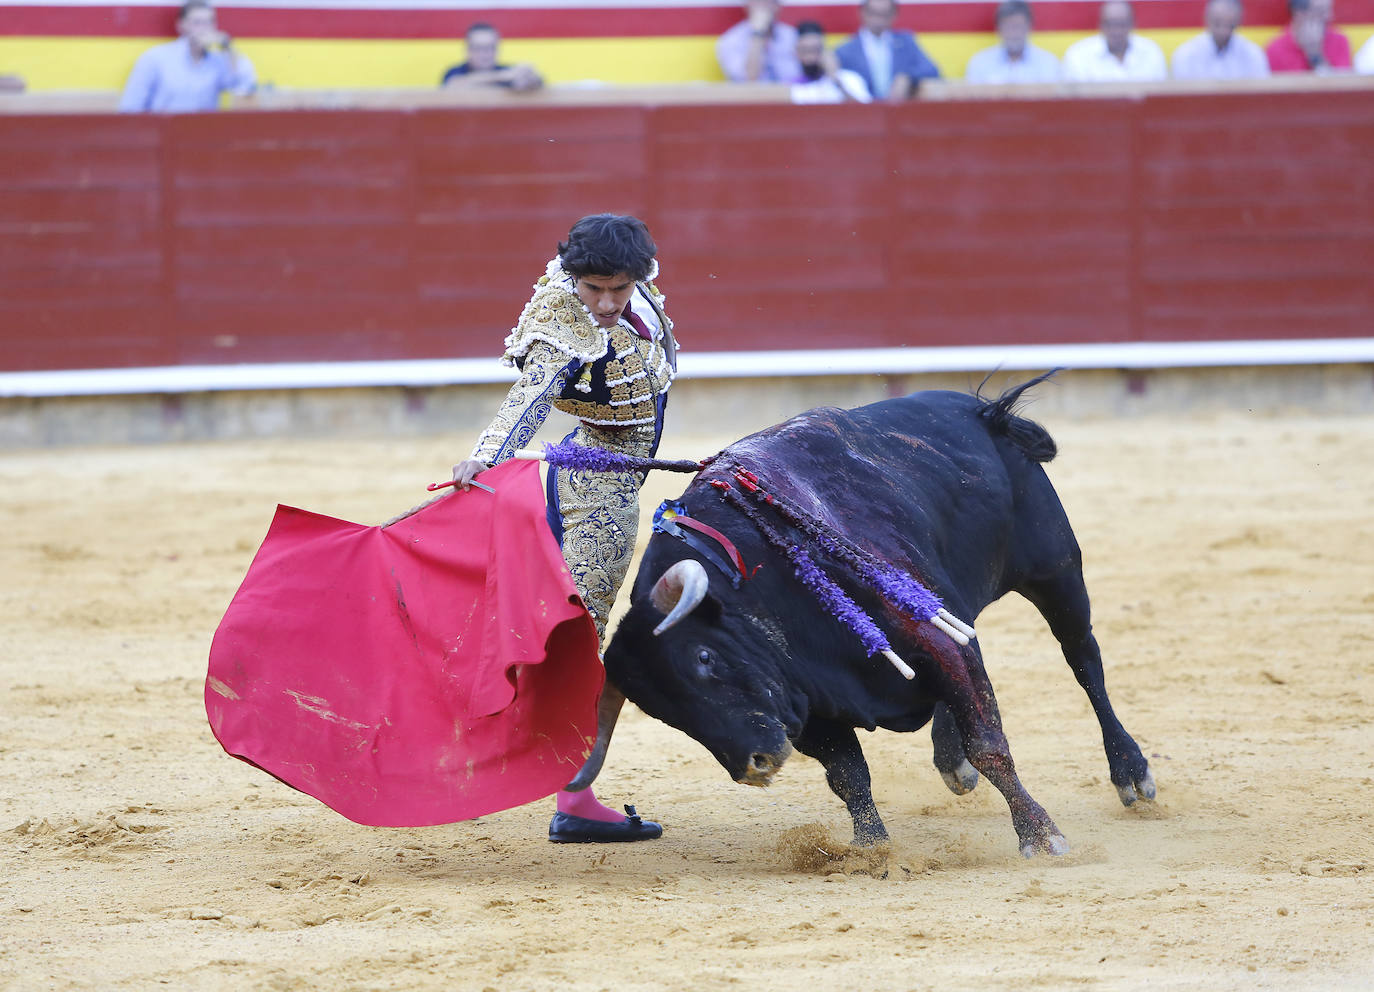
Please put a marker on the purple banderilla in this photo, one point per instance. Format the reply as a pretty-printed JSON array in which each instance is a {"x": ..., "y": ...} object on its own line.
[
  {"x": 894, "y": 585},
  {"x": 568, "y": 455},
  {"x": 831, "y": 596}
]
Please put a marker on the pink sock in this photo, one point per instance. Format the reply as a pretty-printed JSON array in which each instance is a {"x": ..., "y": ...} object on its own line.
[{"x": 587, "y": 806}]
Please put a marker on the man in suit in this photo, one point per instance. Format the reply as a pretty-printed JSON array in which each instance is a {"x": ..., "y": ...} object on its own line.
[{"x": 890, "y": 62}]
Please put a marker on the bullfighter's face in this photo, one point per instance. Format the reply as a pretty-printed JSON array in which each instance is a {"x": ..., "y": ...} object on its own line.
[
  {"x": 714, "y": 676},
  {"x": 605, "y": 296}
]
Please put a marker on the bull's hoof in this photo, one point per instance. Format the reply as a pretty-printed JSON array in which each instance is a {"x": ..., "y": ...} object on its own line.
[
  {"x": 1143, "y": 788},
  {"x": 962, "y": 780},
  {"x": 1049, "y": 844},
  {"x": 867, "y": 836}
]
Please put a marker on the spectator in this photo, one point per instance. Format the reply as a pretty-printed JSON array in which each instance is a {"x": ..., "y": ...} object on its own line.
[
  {"x": 188, "y": 74},
  {"x": 1220, "y": 53},
  {"x": 1015, "y": 60},
  {"x": 1310, "y": 44},
  {"x": 11, "y": 83},
  {"x": 760, "y": 48},
  {"x": 822, "y": 80},
  {"x": 890, "y": 62},
  {"x": 1116, "y": 53},
  {"x": 1364, "y": 58},
  {"x": 482, "y": 66}
]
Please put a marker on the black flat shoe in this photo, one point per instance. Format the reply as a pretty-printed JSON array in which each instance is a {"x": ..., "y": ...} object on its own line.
[{"x": 568, "y": 829}]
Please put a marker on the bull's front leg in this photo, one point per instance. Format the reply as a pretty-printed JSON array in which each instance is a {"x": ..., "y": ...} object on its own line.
[
  {"x": 967, "y": 692},
  {"x": 836, "y": 747}
]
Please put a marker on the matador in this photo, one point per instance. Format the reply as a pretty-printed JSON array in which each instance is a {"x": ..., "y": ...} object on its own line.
[{"x": 595, "y": 342}]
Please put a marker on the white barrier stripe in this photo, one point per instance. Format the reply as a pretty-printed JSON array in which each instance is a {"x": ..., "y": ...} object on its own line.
[
  {"x": 705, "y": 365},
  {"x": 1134, "y": 355}
]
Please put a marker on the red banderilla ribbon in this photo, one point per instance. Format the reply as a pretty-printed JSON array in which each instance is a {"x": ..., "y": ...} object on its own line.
[{"x": 453, "y": 482}]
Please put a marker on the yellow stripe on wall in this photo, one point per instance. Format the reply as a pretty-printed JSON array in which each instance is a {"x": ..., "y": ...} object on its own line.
[
  {"x": 75, "y": 63},
  {"x": 67, "y": 63}
]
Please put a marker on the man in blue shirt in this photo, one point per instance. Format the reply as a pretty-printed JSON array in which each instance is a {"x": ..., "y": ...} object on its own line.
[
  {"x": 1015, "y": 59},
  {"x": 890, "y": 62},
  {"x": 188, "y": 74}
]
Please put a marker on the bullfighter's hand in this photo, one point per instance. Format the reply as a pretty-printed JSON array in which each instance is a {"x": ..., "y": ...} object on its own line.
[{"x": 464, "y": 472}]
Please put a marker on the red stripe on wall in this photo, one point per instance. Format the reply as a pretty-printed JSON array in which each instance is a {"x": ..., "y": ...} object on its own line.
[
  {"x": 1050, "y": 15},
  {"x": 153, "y": 240}
]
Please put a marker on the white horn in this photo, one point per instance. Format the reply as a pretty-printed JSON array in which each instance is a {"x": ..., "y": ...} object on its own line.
[{"x": 679, "y": 591}]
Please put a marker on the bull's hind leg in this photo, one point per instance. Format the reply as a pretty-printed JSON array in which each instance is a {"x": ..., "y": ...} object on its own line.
[
  {"x": 1063, "y": 601},
  {"x": 950, "y": 760},
  {"x": 837, "y": 748},
  {"x": 967, "y": 692}
]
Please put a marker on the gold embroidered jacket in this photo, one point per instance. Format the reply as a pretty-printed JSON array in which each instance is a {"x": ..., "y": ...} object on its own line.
[{"x": 606, "y": 377}]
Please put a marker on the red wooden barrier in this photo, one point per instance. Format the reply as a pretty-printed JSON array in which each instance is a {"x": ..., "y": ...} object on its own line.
[{"x": 131, "y": 241}]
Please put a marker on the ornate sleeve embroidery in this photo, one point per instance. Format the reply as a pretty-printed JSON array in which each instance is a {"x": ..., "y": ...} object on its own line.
[
  {"x": 555, "y": 316},
  {"x": 527, "y": 405}
]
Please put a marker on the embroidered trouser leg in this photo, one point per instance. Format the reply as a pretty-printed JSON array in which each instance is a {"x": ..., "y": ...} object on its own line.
[{"x": 595, "y": 515}]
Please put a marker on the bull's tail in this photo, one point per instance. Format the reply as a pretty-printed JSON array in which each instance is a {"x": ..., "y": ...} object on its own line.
[{"x": 1027, "y": 435}]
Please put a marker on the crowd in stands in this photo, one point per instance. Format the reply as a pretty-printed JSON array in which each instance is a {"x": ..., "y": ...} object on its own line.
[
  {"x": 878, "y": 62},
  {"x": 891, "y": 64}
]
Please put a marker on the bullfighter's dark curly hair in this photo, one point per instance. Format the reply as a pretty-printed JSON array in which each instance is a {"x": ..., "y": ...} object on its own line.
[{"x": 604, "y": 244}]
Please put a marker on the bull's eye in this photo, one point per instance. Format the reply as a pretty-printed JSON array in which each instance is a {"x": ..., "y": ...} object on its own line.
[{"x": 706, "y": 662}]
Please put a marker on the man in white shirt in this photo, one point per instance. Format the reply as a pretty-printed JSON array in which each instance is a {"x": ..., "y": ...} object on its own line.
[
  {"x": 760, "y": 48},
  {"x": 1015, "y": 60},
  {"x": 1116, "y": 54},
  {"x": 1220, "y": 53},
  {"x": 822, "y": 80}
]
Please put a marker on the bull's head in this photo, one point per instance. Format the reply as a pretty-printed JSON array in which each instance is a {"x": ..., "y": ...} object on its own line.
[{"x": 705, "y": 665}]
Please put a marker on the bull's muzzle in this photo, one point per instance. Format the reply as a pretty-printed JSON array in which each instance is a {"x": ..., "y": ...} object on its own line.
[{"x": 762, "y": 767}]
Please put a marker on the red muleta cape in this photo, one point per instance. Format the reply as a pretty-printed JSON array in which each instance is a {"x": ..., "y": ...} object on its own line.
[{"x": 436, "y": 670}]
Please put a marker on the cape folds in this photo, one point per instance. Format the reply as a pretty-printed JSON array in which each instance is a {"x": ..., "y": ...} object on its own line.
[{"x": 432, "y": 671}]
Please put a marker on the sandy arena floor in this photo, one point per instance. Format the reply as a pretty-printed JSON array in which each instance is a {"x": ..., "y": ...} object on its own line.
[{"x": 1231, "y": 560}]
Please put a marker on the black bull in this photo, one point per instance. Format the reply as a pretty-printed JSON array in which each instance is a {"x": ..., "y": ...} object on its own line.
[{"x": 943, "y": 485}]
